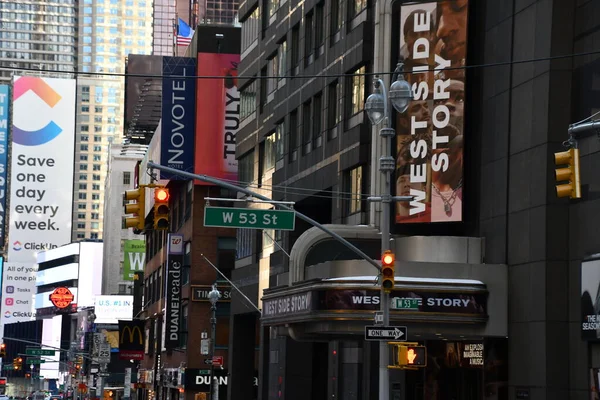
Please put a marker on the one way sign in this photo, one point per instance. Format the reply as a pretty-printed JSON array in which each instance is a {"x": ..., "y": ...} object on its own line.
[{"x": 384, "y": 333}]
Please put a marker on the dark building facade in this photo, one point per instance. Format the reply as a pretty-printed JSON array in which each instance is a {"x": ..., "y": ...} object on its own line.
[{"x": 304, "y": 137}]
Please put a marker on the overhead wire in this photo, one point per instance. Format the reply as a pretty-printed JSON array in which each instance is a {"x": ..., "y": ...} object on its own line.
[{"x": 310, "y": 76}]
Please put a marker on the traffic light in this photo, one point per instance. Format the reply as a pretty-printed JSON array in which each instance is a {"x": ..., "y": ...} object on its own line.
[
  {"x": 161, "y": 208},
  {"x": 569, "y": 160},
  {"x": 17, "y": 363},
  {"x": 409, "y": 355},
  {"x": 138, "y": 208},
  {"x": 387, "y": 271},
  {"x": 3, "y": 350}
]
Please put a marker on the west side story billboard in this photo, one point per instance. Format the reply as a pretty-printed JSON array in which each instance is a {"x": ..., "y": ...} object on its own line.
[
  {"x": 217, "y": 102},
  {"x": 429, "y": 135},
  {"x": 178, "y": 115},
  {"x": 41, "y": 195}
]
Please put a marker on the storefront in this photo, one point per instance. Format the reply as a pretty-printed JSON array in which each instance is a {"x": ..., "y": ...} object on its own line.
[
  {"x": 145, "y": 385},
  {"x": 314, "y": 330},
  {"x": 197, "y": 381}
]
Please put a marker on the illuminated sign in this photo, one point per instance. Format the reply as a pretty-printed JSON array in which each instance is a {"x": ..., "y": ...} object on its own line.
[
  {"x": 409, "y": 355},
  {"x": 61, "y": 297}
]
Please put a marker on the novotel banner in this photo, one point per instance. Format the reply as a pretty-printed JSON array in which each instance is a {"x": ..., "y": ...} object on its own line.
[
  {"x": 178, "y": 115},
  {"x": 172, "y": 319},
  {"x": 432, "y": 40},
  {"x": 41, "y": 204}
]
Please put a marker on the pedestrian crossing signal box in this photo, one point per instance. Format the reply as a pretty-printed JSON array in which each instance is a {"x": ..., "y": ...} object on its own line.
[{"x": 408, "y": 355}]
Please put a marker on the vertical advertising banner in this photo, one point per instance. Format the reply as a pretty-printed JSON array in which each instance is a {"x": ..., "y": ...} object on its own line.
[
  {"x": 590, "y": 300},
  {"x": 134, "y": 253},
  {"x": 41, "y": 195},
  {"x": 178, "y": 115},
  {"x": 429, "y": 142},
  {"x": 217, "y": 116},
  {"x": 172, "y": 320},
  {"x": 4, "y": 104}
]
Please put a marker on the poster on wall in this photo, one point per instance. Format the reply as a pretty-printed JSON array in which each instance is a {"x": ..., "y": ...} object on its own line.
[
  {"x": 134, "y": 258},
  {"x": 590, "y": 300},
  {"x": 429, "y": 135}
]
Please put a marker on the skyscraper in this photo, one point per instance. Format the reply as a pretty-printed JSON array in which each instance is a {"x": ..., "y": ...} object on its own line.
[
  {"x": 37, "y": 35},
  {"x": 109, "y": 30}
]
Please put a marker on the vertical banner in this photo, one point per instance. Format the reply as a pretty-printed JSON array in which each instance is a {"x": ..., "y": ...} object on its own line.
[
  {"x": 172, "y": 320},
  {"x": 178, "y": 115},
  {"x": 41, "y": 204},
  {"x": 134, "y": 258},
  {"x": 429, "y": 141},
  {"x": 217, "y": 116},
  {"x": 4, "y": 104},
  {"x": 590, "y": 300}
]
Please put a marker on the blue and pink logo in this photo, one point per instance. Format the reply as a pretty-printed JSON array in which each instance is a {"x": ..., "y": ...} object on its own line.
[
  {"x": 17, "y": 246},
  {"x": 50, "y": 97},
  {"x": 7, "y": 314}
]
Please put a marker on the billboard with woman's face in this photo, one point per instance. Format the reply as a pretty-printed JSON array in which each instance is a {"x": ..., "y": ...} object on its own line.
[{"x": 429, "y": 145}]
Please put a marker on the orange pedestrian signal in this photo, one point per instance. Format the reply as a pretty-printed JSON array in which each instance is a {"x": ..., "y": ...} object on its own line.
[
  {"x": 387, "y": 271},
  {"x": 408, "y": 355}
]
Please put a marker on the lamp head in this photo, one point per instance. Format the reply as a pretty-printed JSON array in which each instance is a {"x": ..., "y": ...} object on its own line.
[
  {"x": 400, "y": 94},
  {"x": 375, "y": 105}
]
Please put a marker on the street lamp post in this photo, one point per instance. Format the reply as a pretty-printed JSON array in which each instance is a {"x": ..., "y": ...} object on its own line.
[
  {"x": 378, "y": 110},
  {"x": 213, "y": 296}
]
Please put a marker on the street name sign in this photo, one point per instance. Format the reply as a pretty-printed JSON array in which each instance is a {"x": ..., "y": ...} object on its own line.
[
  {"x": 384, "y": 333},
  {"x": 399, "y": 303},
  {"x": 39, "y": 352},
  {"x": 249, "y": 218},
  {"x": 35, "y": 361}
]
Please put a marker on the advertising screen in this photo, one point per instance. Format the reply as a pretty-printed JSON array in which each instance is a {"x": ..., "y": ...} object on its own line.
[
  {"x": 41, "y": 194},
  {"x": 429, "y": 135},
  {"x": 4, "y": 113}
]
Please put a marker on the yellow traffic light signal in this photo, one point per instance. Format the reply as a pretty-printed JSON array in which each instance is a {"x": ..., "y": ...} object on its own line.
[
  {"x": 568, "y": 173},
  {"x": 409, "y": 355},
  {"x": 17, "y": 363},
  {"x": 138, "y": 208},
  {"x": 387, "y": 271},
  {"x": 161, "y": 208},
  {"x": 3, "y": 350}
]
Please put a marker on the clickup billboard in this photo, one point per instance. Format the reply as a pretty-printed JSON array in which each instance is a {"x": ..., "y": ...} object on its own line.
[{"x": 41, "y": 193}]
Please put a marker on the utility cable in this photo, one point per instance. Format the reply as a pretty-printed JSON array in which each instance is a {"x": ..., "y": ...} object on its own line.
[{"x": 311, "y": 76}]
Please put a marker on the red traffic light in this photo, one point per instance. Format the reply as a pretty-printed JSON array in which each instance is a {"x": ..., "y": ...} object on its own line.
[
  {"x": 161, "y": 195},
  {"x": 387, "y": 258}
]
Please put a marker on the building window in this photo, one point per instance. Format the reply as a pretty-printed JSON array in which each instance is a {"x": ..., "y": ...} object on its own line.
[
  {"x": 83, "y": 147},
  {"x": 95, "y": 225},
  {"x": 251, "y": 29},
  {"x": 355, "y": 186},
  {"x": 184, "y": 327},
  {"x": 82, "y": 196},
  {"x": 126, "y": 178},
  {"x": 95, "y": 197},
  {"x": 306, "y": 128},
  {"x": 83, "y": 186},
  {"x": 95, "y": 187},
  {"x": 80, "y": 235},
  {"x": 269, "y": 152},
  {"x": 248, "y": 100},
  {"x": 279, "y": 135},
  {"x": 358, "y": 90},
  {"x": 272, "y": 72},
  {"x": 282, "y": 64},
  {"x": 95, "y": 216},
  {"x": 81, "y": 225},
  {"x": 316, "y": 120},
  {"x": 96, "y": 167},
  {"x": 80, "y": 216},
  {"x": 96, "y": 177},
  {"x": 295, "y": 48},
  {"x": 81, "y": 206},
  {"x": 319, "y": 26},
  {"x": 309, "y": 45},
  {"x": 334, "y": 109},
  {"x": 83, "y": 177},
  {"x": 294, "y": 140},
  {"x": 356, "y": 7},
  {"x": 246, "y": 168},
  {"x": 84, "y": 138},
  {"x": 83, "y": 167},
  {"x": 337, "y": 15},
  {"x": 94, "y": 235}
]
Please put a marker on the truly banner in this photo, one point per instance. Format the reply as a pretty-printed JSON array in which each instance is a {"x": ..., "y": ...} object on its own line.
[
  {"x": 217, "y": 116},
  {"x": 4, "y": 107},
  {"x": 178, "y": 115},
  {"x": 42, "y": 160},
  {"x": 134, "y": 258},
  {"x": 172, "y": 318},
  {"x": 429, "y": 135}
]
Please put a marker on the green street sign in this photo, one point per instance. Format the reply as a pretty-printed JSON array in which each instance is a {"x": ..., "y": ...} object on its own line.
[
  {"x": 405, "y": 303},
  {"x": 35, "y": 361},
  {"x": 8, "y": 366},
  {"x": 249, "y": 218},
  {"x": 39, "y": 352}
]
